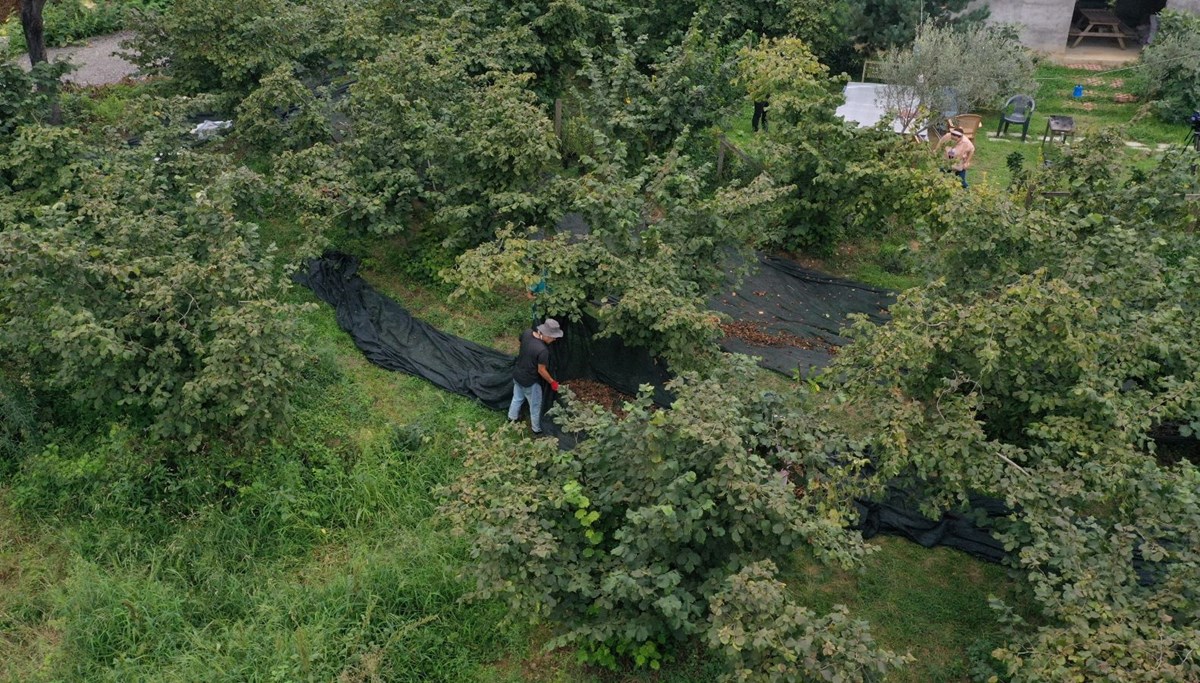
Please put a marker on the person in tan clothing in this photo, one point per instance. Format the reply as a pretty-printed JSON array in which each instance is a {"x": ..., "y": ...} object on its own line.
[{"x": 959, "y": 153}]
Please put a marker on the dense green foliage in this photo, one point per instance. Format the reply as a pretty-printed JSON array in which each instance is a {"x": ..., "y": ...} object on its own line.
[
  {"x": 768, "y": 637},
  {"x": 623, "y": 542},
  {"x": 1042, "y": 377},
  {"x": 653, "y": 252},
  {"x": 847, "y": 182},
  {"x": 886, "y": 24},
  {"x": 235, "y": 44},
  {"x": 1169, "y": 74},
  {"x": 234, "y": 506},
  {"x": 132, "y": 285},
  {"x": 26, "y": 96},
  {"x": 68, "y": 22}
]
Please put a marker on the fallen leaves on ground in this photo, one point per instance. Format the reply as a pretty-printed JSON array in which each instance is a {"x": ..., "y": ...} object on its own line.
[
  {"x": 599, "y": 394},
  {"x": 757, "y": 336}
]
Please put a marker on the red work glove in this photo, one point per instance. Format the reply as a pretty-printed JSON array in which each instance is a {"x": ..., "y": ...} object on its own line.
[{"x": 553, "y": 385}]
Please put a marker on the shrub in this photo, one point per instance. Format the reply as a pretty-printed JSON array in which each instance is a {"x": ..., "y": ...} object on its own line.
[
  {"x": 223, "y": 45},
  {"x": 1041, "y": 376},
  {"x": 1169, "y": 73},
  {"x": 432, "y": 143},
  {"x": 25, "y": 97},
  {"x": 656, "y": 248},
  {"x": 138, "y": 292},
  {"x": 769, "y": 639},
  {"x": 18, "y": 422},
  {"x": 623, "y": 543},
  {"x": 1113, "y": 556},
  {"x": 846, "y": 182},
  {"x": 689, "y": 88},
  {"x": 282, "y": 113},
  {"x": 41, "y": 161}
]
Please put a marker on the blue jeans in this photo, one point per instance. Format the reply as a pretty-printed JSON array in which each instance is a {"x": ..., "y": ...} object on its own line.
[
  {"x": 962, "y": 175},
  {"x": 534, "y": 394}
]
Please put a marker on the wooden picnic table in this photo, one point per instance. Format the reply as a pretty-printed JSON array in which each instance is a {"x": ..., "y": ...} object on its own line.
[{"x": 1100, "y": 23}]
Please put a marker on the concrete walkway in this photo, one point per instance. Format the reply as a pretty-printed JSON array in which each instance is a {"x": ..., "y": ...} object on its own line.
[{"x": 96, "y": 61}]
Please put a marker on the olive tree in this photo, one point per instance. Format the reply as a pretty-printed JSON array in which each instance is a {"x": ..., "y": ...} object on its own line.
[{"x": 962, "y": 68}]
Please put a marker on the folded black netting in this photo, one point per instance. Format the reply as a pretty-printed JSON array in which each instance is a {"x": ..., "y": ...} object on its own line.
[
  {"x": 896, "y": 514},
  {"x": 788, "y": 300},
  {"x": 390, "y": 337}
]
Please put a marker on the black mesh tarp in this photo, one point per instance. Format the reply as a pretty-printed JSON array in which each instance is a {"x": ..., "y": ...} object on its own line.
[
  {"x": 896, "y": 514},
  {"x": 782, "y": 296},
  {"x": 390, "y": 337}
]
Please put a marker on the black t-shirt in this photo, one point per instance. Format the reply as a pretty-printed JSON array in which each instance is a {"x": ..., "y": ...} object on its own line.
[{"x": 534, "y": 352}]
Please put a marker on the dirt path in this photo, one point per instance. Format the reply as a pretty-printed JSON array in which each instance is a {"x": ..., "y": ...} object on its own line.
[{"x": 97, "y": 64}]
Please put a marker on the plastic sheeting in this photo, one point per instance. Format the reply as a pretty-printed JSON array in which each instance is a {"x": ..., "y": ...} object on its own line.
[
  {"x": 390, "y": 337},
  {"x": 896, "y": 515}
]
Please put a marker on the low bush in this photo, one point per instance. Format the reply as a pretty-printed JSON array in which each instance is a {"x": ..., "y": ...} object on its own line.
[
  {"x": 282, "y": 113},
  {"x": 846, "y": 182},
  {"x": 18, "y": 422},
  {"x": 765, "y": 636},
  {"x": 138, "y": 293},
  {"x": 625, "y": 543},
  {"x": 1170, "y": 74}
]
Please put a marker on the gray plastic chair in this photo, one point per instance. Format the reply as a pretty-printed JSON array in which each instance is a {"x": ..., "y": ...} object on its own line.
[{"x": 1018, "y": 109}]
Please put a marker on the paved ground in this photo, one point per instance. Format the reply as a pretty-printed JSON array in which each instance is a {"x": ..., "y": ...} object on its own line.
[{"x": 96, "y": 61}]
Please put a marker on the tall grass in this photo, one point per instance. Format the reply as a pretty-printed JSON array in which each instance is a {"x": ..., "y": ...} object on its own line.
[{"x": 312, "y": 557}]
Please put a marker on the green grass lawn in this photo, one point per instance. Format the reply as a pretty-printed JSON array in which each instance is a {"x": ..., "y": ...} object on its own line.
[
  {"x": 1097, "y": 109},
  {"x": 1098, "y": 106}
]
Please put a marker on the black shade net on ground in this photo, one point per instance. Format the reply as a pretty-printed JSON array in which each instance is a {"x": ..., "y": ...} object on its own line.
[
  {"x": 390, "y": 337},
  {"x": 790, "y": 316}
]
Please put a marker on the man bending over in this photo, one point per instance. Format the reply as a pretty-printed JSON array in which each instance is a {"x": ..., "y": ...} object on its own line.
[{"x": 531, "y": 364}]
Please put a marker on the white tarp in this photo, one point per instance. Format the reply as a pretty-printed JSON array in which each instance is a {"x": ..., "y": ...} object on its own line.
[{"x": 862, "y": 105}]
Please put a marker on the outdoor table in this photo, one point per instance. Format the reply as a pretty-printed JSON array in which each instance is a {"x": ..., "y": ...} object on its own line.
[
  {"x": 1100, "y": 23},
  {"x": 1059, "y": 125}
]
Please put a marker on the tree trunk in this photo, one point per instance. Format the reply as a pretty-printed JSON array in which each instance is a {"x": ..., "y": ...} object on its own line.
[
  {"x": 35, "y": 40},
  {"x": 31, "y": 24}
]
